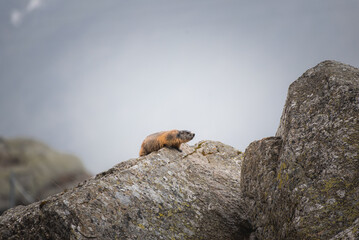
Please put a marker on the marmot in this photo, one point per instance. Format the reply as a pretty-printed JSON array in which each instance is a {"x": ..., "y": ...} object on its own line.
[{"x": 170, "y": 139}]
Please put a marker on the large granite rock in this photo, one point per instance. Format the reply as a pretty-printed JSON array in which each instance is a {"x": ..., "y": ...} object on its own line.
[
  {"x": 164, "y": 195},
  {"x": 304, "y": 183},
  {"x": 39, "y": 170}
]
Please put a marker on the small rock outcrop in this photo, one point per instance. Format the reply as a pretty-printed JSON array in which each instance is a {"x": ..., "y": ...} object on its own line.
[
  {"x": 164, "y": 195},
  {"x": 304, "y": 183},
  {"x": 37, "y": 169}
]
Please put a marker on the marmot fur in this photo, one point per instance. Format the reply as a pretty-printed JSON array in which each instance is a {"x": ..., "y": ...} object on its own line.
[{"x": 170, "y": 139}]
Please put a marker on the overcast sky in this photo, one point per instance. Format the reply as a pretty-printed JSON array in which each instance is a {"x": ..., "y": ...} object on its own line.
[{"x": 93, "y": 78}]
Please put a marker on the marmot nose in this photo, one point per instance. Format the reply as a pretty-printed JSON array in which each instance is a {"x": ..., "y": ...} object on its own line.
[{"x": 193, "y": 134}]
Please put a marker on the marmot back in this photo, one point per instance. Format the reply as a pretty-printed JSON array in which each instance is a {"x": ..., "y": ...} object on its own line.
[{"x": 170, "y": 139}]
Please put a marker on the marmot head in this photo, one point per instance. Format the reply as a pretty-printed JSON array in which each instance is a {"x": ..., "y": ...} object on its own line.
[{"x": 185, "y": 135}]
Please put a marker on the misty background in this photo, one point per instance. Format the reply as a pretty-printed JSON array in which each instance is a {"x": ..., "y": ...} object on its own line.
[{"x": 94, "y": 78}]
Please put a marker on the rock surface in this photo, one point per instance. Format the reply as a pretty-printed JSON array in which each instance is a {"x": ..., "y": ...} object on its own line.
[
  {"x": 37, "y": 168},
  {"x": 164, "y": 195},
  {"x": 304, "y": 183}
]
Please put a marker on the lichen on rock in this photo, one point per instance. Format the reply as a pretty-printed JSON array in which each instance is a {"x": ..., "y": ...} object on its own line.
[
  {"x": 314, "y": 193},
  {"x": 164, "y": 195}
]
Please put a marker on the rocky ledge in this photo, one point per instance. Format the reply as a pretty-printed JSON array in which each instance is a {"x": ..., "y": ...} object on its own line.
[
  {"x": 165, "y": 195},
  {"x": 302, "y": 183}
]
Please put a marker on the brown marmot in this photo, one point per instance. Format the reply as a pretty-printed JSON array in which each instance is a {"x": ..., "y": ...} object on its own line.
[{"x": 169, "y": 139}]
